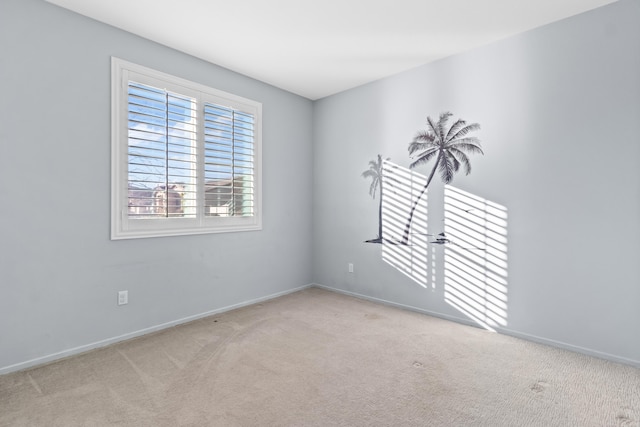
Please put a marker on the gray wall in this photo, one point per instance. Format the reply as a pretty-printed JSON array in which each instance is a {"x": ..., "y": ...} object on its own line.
[
  {"x": 59, "y": 272},
  {"x": 559, "y": 108}
]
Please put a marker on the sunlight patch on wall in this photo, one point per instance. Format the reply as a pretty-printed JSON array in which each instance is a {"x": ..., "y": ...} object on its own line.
[
  {"x": 406, "y": 252},
  {"x": 475, "y": 260}
]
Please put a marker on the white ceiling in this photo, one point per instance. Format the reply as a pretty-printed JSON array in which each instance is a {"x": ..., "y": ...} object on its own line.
[{"x": 318, "y": 48}]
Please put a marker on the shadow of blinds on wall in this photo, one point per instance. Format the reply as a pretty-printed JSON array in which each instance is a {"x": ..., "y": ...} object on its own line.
[
  {"x": 475, "y": 264},
  {"x": 401, "y": 188}
]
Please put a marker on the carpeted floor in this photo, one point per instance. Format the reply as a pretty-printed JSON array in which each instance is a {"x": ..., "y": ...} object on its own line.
[{"x": 317, "y": 358}]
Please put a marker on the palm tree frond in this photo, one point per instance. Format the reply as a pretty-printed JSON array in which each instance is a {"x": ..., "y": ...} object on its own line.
[
  {"x": 424, "y": 158},
  {"x": 373, "y": 188},
  {"x": 471, "y": 144},
  {"x": 464, "y": 131},
  {"x": 446, "y": 169},
  {"x": 421, "y": 141},
  {"x": 418, "y": 146},
  {"x": 433, "y": 128},
  {"x": 462, "y": 158},
  {"x": 375, "y": 179},
  {"x": 421, "y": 149},
  {"x": 455, "y": 162},
  {"x": 442, "y": 124},
  {"x": 459, "y": 124},
  {"x": 424, "y": 136},
  {"x": 369, "y": 174}
]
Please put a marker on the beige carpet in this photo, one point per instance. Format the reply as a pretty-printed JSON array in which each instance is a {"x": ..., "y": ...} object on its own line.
[{"x": 317, "y": 358}]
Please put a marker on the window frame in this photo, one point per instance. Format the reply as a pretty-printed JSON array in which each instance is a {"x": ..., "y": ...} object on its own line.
[{"x": 123, "y": 227}]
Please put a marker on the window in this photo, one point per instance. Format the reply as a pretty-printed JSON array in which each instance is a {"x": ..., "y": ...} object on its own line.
[{"x": 185, "y": 157}]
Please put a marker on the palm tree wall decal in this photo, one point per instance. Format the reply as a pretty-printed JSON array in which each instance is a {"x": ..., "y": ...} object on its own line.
[
  {"x": 375, "y": 173},
  {"x": 449, "y": 147}
]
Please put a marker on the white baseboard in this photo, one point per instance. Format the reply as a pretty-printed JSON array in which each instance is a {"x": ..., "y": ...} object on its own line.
[
  {"x": 102, "y": 343},
  {"x": 505, "y": 331},
  {"x": 402, "y": 306},
  {"x": 570, "y": 347}
]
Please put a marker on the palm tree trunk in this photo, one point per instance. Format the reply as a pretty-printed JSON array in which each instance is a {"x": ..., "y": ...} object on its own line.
[{"x": 407, "y": 228}]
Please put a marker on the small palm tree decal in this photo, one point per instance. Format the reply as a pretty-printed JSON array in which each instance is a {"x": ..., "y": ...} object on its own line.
[
  {"x": 449, "y": 147},
  {"x": 375, "y": 173}
]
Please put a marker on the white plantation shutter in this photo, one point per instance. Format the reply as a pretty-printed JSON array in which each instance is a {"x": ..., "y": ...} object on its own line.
[
  {"x": 161, "y": 153},
  {"x": 185, "y": 157},
  {"x": 229, "y": 168}
]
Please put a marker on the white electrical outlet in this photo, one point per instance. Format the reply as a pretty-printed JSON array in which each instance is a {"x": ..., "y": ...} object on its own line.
[
  {"x": 123, "y": 297},
  {"x": 350, "y": 267}
]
